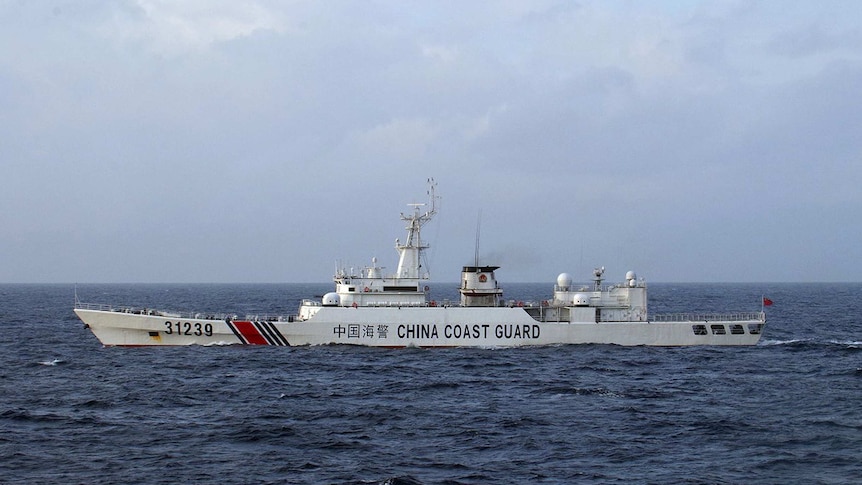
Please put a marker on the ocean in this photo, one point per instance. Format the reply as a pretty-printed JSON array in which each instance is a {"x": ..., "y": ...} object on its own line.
[{"x": 788, "y": 410}]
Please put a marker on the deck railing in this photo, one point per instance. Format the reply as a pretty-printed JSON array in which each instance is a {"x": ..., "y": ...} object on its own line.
[
  {"x": 94, "y": 306},
  {"x": 181, "y": 315},
  {"x": 707, "y": 317}
]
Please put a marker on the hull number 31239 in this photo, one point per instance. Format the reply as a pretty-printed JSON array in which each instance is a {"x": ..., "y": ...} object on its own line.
[{"x": 188, "y": 328}]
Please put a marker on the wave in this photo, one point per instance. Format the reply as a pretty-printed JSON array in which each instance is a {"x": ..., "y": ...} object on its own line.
[
  {"x": 766, "y": 342},
  {"x": 849, "y": 344},
  {"x": 28, "y": 415},
  {"x": 401, "y": 480},
  {"x": 558, "y": 392},
  {"x": 52, "y": 362}
]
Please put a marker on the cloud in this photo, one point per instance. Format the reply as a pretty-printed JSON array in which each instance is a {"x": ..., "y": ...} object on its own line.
[
  {"x": 612, "y": 128},
  {"x": 176, "y": 28},
  {"x": 440, "y": 53},
  {"x": 397, "y": 139}
]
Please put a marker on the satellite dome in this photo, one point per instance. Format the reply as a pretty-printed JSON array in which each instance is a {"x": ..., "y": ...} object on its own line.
[
  {"x": 564, "y": 280},
  {"x": 331, "y": 299},
  {"x": 631, "y": 275},
  {"x": 581, "y": 300}
]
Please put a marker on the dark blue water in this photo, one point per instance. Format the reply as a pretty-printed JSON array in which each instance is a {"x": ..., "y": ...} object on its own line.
[{"x": 788, "y": 410}]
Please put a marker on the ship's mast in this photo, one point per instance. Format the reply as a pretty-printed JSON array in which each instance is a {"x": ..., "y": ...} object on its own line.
[
  {"x": 478, "y": 230},
  {"x": 410, "y": 252}
]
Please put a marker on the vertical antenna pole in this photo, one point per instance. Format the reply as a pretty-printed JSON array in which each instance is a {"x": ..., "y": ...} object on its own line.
[{"x": 478, "y": 231}]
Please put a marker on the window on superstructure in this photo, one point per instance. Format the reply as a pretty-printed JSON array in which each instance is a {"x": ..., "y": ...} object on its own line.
[
  {"x": 718, "y": 330},
  {"x": 699, "y": 329},
  {"x": 737, "y": 330}
]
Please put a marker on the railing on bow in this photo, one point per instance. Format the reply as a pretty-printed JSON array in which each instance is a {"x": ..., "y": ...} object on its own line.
[{"x": 183, "y": 315}]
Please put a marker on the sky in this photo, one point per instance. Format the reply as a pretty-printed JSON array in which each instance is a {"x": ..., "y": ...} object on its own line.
[{"x": 263, "y": 141}]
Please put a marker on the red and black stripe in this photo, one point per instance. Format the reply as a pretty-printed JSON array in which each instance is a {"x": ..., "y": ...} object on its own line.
[{"x": 257, "y": 332}]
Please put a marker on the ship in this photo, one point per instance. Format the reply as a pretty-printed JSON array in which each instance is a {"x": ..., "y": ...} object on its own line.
[{"x": 370, "y": 308}]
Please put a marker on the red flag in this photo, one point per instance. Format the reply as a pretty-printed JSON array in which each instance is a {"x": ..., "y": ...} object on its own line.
[{"x": 766, "y": 301}]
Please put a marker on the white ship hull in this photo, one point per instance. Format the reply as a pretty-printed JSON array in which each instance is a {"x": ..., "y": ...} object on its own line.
[
  {"x": 412, "y": 327},
  {"x": 368, "y": 308}
]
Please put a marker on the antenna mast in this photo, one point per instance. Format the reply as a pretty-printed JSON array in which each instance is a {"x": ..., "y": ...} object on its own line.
[
  {"x": 478, "y": 231},
  {"x": 411, "y": 250}
]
